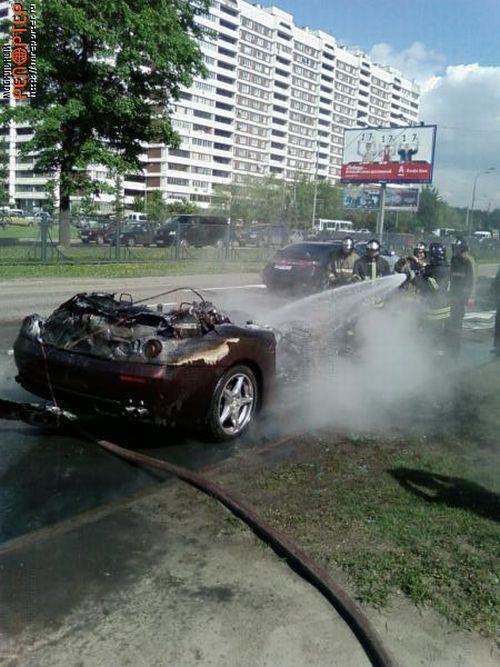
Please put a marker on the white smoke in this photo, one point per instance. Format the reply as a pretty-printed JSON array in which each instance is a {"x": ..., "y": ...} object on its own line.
[{"x": 393, "y": 378}]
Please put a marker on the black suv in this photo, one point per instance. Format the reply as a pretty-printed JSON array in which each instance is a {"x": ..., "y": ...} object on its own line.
[
  {"x": 194, "y": 230},
  {"x": 136, "y": 233},
  {"x": 94, "y": 231}
]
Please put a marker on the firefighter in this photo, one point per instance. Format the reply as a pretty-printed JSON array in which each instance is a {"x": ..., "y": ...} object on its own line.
[
  {"x": 412, "y": 265},
  {"x": 433, "y": 284},
  {"x": 420, "y": 254},
  {"x": 371, "y": 265},
  {"x": 462, "y": 290},
  {"x": 342, "y": 263}
]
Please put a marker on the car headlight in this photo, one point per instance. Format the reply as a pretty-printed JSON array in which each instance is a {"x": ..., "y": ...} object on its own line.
[
  {"x": 31, "y": 326},
  {"x": 152, "y": 348}
]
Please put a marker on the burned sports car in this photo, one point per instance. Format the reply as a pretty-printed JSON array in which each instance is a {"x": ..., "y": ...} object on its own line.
[{"x": 102, "y": 354}]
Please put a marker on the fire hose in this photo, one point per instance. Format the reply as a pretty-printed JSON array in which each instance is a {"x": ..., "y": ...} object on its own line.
[{"x": 296, "y": 558}]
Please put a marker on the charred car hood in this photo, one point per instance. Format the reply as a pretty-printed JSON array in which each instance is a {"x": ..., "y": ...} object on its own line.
[{"x": 106, "y": 327}]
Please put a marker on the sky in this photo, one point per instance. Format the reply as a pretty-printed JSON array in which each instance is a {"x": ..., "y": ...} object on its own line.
[{"x": 452, "y": 49}]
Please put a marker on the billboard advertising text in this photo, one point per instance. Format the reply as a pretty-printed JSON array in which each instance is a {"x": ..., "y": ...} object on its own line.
[
  {"x": 368, "y": 197},
  {"x": 388, "y": 155}
]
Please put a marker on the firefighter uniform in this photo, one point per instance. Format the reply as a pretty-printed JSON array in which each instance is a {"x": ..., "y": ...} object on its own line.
[
  {"x": 433, "y": 284},
  {"x": 369, "y": 268},
  {"x": 462, "y": 288},
  {"x": 341, "y": 268}
]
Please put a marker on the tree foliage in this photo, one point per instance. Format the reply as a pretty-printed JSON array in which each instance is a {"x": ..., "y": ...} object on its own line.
[
  {"x": 273, "y": 200},
  {"x": 107, "y": 76}
]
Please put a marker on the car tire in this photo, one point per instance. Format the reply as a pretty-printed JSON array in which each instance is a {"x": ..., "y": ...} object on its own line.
[
  {"x": 130, "y": 242},
  {"x": 100, "y": 240},
  {"x": 233, "y": 403}
]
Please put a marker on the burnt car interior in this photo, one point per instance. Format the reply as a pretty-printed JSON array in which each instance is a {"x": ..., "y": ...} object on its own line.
[{"x": 118, "y": 328}]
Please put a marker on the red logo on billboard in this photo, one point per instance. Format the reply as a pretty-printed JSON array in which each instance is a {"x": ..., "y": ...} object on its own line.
[{"x": 410, "y": 172}]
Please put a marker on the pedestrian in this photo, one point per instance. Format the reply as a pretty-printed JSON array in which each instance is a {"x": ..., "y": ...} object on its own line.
[
  {"x": 371, "y": 265},
  {"x": 462, "y": 290},
  {"x": 433, "y": 284},
  {"x": 342, "y": 263}
]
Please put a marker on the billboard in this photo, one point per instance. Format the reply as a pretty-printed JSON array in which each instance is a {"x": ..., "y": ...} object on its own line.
[
  {"x": 367, "y": 197},
  {"x": 388, "y": 155}
]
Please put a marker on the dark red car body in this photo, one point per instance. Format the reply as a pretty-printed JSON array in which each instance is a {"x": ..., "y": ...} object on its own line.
[{"x": 89, "y": 356}]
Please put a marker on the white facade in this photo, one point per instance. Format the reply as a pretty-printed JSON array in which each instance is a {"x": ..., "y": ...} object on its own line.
[{"x": 276, "y": 101}]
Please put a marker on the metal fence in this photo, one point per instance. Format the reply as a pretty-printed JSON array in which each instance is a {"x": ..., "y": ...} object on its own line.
[{"x": 149, "y": 243}]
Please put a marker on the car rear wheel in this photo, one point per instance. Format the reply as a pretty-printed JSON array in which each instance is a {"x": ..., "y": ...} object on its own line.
[
  {"x": 131, "y": 241},
  {"x": 100, "y": 240},
  {"x": 233, "y": 403}
]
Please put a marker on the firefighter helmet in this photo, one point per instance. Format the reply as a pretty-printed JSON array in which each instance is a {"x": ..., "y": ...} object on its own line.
[
  {"x": 420, "y": 249},
  {"x": 374, "y": 246},
  {"x": 459, "y": 247},
  {"x": 437, "y": 252},
  {"x": 347, "y": 244}
]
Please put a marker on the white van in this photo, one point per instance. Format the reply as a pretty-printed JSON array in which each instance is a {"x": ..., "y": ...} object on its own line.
[
  {"x": 136, "y": 216},
  {"x": 480, "y": 234},
  {"x": 325, "y": 225}
]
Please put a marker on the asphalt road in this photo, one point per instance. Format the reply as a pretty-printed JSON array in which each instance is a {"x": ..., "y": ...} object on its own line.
[{"x": 48, "y": 476}]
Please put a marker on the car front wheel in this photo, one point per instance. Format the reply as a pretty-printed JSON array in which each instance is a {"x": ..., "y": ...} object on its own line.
[{"x": 233, "y": 403}]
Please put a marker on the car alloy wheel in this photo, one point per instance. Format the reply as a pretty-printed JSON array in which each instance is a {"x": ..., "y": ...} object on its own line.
[
  {"x": 233, "y": 403},
  {"x": 131, "y": 242}
]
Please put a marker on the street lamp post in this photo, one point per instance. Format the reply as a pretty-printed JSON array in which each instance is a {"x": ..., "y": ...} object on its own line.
[{"x": 470, "y": 211}]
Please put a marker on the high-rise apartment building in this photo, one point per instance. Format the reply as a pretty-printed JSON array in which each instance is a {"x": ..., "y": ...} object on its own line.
[{"x": 276, "y": 101}]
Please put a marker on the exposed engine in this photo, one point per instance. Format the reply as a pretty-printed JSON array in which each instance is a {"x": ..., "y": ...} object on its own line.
[{"x": 116, "y": 328}]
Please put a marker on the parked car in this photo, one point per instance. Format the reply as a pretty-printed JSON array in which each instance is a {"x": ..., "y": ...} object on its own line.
[
  {"x": 132, "y": 234},
  {"x": 95, "y": 231},
  {"x": 300, "y": 266},
  {"x": 99, "y": 354},
  {"x": 264, "y": 235},
  {"x": 194, "y": 230},
  {"x": 15, "y": 216},
  {"x": 391, "y": 256},
  {"x": 136, "y": 216}
]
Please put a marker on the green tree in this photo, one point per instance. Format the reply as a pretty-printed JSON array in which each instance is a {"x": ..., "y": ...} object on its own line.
[
  {"x": 107, "y": 75},
  {"x": 50, "y": 196},
  {"x": 155, "y": 206},
  {"x": 185, "y": 207},
  {"x": 428, "y": 216}
]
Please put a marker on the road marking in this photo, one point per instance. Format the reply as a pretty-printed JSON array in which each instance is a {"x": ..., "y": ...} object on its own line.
[{"x": 213, "y": 289}]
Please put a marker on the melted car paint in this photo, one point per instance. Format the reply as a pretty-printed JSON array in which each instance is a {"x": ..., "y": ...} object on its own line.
[{"x": 210, "y": 356}]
